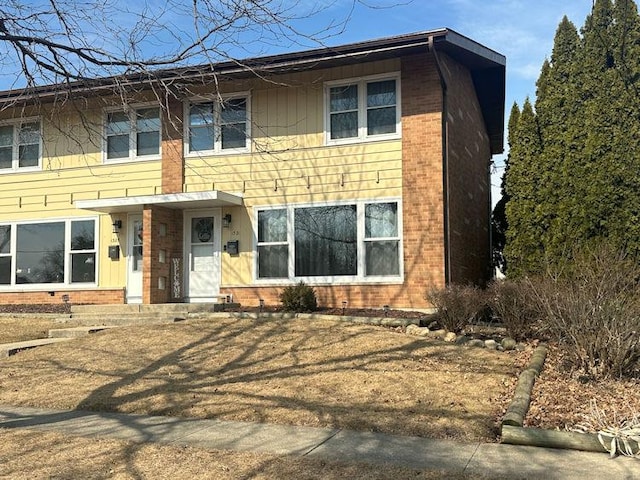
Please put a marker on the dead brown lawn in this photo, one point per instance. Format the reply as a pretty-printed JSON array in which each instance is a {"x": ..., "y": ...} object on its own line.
[
  {"x": 18, "y": 329},
  {"x": 35, "y": 455},
  {"x": 299, "y": 372}
]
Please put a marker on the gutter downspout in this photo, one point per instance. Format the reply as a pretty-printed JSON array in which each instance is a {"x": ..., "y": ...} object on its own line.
[{"x": 445, "y": 166}]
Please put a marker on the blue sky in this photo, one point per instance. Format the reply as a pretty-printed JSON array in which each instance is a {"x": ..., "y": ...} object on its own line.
[{"x": 522, "y": 30}]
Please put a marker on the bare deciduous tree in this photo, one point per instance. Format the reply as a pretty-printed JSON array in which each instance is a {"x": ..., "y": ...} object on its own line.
[
  {"x": 124, "y": 47},
  {"x": 61, "y": 41}
]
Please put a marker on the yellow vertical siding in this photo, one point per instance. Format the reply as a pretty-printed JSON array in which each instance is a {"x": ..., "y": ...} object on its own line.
[
  {"x": 72, "y": 170},
  {"x": 290, "y": 163}
]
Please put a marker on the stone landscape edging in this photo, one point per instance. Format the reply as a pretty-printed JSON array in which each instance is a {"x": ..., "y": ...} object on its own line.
[
  {"x": 514, "y": 433},
  {"x": 383, "y": 321},
  {"x": 512, "y": 430}
]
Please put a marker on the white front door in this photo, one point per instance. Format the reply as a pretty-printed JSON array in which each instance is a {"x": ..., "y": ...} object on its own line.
[
  {"x": 134, "y": 259},
  {"x": 202, "y": 255}
]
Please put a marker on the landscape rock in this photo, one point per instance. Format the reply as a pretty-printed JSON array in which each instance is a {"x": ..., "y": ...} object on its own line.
[
  {"x": 411, "y": 329},
  {"x": 490, "y": 344},
  {"x": 437, "y": 334},
  {"x": 508, "y": 343},
  {"x": 476, "y": 343},
  {"x": 417, "y": 331},
  {"x": 450, "y": 337}
]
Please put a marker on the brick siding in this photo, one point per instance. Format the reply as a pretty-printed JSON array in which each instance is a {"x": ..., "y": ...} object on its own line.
[
  {"x": 98, "y": 296},
  {"x": 469, "y": 155},
  {"x": 172, "y": 157},
  {"x": 152, "y": 243}
]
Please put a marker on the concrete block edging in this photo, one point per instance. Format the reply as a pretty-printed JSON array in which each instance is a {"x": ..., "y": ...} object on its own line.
[{"x": 513, "y": 432}]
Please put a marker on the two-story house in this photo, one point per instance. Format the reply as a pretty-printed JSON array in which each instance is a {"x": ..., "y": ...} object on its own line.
[{"x": 361, "y": 169}]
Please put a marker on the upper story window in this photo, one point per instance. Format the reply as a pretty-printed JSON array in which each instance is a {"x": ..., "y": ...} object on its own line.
[
  {"x": 216, "y": 126},
  {"x": 364, "y": 109},
  {"x": 133, "y": 134},
  {"x": 20, "y": 145}
]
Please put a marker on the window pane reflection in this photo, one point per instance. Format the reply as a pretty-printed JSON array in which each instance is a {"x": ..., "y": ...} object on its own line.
[{"x": 326, "y": 241}]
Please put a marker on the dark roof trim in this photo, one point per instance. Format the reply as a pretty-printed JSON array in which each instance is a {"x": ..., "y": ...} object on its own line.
[{"x": 486, "y": 66}]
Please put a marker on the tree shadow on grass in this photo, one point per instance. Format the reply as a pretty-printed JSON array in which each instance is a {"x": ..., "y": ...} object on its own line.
[{"x": 284, "y": 371}]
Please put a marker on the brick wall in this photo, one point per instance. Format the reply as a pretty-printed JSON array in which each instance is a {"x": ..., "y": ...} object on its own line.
[
  {"x": 422, "y": 183},
  {"x": 422, "y": 201},
  {"x": 155, "y": 219},
  {"x": 172, "y": 158},
  {"x": 99, "y": 296},
  {"x": 469, "y": 155},
  {"x": 356, "y": 296}
]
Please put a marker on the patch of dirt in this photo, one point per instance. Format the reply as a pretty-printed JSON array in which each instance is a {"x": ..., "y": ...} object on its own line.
[
  {"x": 562, "y": 400},
  {"x": 351, "y": 312},
  {"x": 62, "y": 308}
]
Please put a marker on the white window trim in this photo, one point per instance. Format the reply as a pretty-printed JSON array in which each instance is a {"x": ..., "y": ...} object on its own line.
[
  {"x": 66, "y": 284},
  {"x": 133, "y": 157},
  {"x": 360, "y": 278},
  {"x": 361, "y": 82},
  {"x": 217, "y": 144},
  {"x": 17, "y": 122},
  {"x": 69, "y": 252}
]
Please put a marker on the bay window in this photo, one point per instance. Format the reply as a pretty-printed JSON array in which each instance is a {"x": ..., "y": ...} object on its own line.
[
  {"x": 348, "y": 241},
  {"x": 56, "y": 252},
  {"x": 363, "y": 109}
]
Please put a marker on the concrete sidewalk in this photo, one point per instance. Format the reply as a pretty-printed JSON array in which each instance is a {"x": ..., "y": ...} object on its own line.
[{"x": 331, "y": 444}]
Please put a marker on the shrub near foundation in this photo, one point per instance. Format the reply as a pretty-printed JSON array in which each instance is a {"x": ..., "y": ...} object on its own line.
[
  {"x": 299, "y": 298},
  {"x": 591, "y": 306},
  {"x": 457, "y": 305},
  {"x": 512, "y": 301}
]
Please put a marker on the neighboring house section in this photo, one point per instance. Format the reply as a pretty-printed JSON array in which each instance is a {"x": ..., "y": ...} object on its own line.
[{"x": 362, "y": 170}]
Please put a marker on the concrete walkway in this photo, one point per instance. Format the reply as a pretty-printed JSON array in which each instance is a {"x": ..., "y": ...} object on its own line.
[
  {"x": 8, "y": 349},
  {"x": 497, "y": 460}
]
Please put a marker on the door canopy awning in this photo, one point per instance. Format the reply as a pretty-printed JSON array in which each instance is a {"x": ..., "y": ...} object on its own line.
[{"x": 178, "y": 201}]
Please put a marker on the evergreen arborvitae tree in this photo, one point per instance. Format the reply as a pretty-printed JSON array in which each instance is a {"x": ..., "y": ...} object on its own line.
[
  {"x": 556, "y": 106},
  {"x": 499, "y": 224},
  {"x": 609, "y": 172},
  {"x": 574, "y": 173},
  {"x": 524, "y": 235}
]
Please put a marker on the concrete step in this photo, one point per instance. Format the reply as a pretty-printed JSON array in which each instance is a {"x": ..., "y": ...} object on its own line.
[
  {"x": 168, "y": 308},
  {"x": 94, "y": 319},
  {"x": 8, "y": 349},
  {"x": 75, "y": 332},
  {"x": 127, "y": 314},
  {"x": 126, "y": 309}
]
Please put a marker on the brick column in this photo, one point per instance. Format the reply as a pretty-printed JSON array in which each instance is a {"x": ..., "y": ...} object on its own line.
[
  {"x": 422, "y": 177},
  {"x": 172, "y": 152},
  {"x": 162, "y": 233}
]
